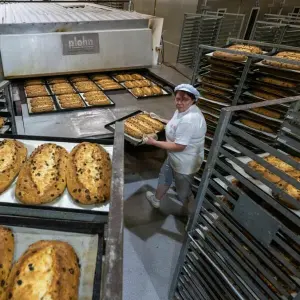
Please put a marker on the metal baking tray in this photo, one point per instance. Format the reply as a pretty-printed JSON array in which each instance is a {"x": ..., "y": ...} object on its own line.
[
  {"x": 215, "y": 101},
  {"x": 64, "y": 202},
  {"x": 218, "y": 75},
  {"x": 43, "y": 112},
  {"x": 55, "y": 94},
  {"x": 265, "y": 71},
  {"x": 56, "y": 97},
  {"x": 132, "y": 140},
  {"x": 202, "y": 89},
  {"x": 112, "y": 103},
  {"x": 61, "y": 77},
  {"x": 276, "y": 68},
  {"x": 115, "y": 89},
  {"x": 288, "y": 89},
  {"x": 231, "y": 90},
  {"x": 165, "y": 93},
  {"x": 258, "y": 183},
  {"x": 88, "y": 247},
  {"x": 237, "y": 62},
  {"x": 271, "y": 135},
  {"x": 46, "y": 87},
  {"x": 127, "y": 73},
  {"x": 78, "y": 91},
  {"x": 230, "y": 76},
  {"x": 281, "y": 107},
  {"x": 234, "y": 66}
]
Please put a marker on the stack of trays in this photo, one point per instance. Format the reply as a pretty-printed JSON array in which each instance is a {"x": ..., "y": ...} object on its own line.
[
  {"x": 270, "y": 80},
  {"x": 140, "y": 86},
  {"x": 63, "y": 94}
]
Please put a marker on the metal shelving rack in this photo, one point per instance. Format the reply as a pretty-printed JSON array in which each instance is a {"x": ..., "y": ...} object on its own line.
[
  {"x": 7, "y": 108},
  {"x": 243, "y": 240},
  {"x": 279, "y": 29},
  {"x": 209, "y": 29},
  {"x": 244, "y": 76}
]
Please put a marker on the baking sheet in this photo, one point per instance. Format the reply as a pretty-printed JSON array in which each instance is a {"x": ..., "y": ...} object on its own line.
[
  {"x": 79, "y": 92},
  {"x": 273, "y": 85},
  {"x": 69, "y": 108},
  {"x": 256, "y": 182},
  {"x": 48, "y": 93},
  {"x": 230, "y": 90},
  {"x": 265, "y": 117},
  {"x": 65, "y": 200},
  {"x": 232, "y": 77},
  {"x": 114, "y": 77},
  {"x": 276, "y": 68},
  {"x": 256, "y": 98},
  {"x": 214, "y": 101},
  {"x": 91, "y": 122},
  {"x": 99, "y": 106},
  {"x": 228, "y": 98},
  {"x": 256, "y": 130},
  {"x": 85, "y": 246},
  {"x": 74, "y": 91},
  {"x": 43, "y": 112},
  {"x": 128, "y": 137},
  {"x": 144, "y": 97},
  {"x": 237, "y": 62}
]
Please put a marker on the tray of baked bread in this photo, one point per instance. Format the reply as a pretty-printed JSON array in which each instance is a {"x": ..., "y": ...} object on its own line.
[
  {"x": 276, "y": 65},
  {"x": 216, "y": 92},
  {"x": 139, "y": 125},
  {"x": 256, "y": 127},
  {"x": 57, "y": 174},
  {"x": 217, "y": 83},
  {"x": 42, "y": 104},
  {"x": 273, "y": 178},
  {"x": 219, "y": 100},
  {"x": 107, "y": 83},
  {"x": 282, "y": 74},
  {"x": 277, "y": 83},
  {"x": 237, "y": 58},
  {"x": 49, "y": 264}
]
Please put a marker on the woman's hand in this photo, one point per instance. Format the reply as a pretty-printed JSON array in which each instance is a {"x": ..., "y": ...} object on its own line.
[{"x": 150, "y": 141}]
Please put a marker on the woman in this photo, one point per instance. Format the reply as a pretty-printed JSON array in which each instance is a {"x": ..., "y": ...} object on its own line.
[{"x": 185, "y": 134}]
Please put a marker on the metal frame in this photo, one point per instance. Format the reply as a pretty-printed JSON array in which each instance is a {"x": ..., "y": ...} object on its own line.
[
  {"x": 244, "y": 240},
  {"x": 203, "y": 49},
  {"x": 6, "y": 90},
  {"x": 210, "y": 28},
  {"x": 280, "y": 32}
]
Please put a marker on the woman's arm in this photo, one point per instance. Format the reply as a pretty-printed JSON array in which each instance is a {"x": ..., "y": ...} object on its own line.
[{"x": 169, "y": 146}]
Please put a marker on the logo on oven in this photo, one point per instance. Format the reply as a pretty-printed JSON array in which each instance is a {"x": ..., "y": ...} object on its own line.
[
  {"x": 87, "y": 43},
  {"x": 81, "y": 43}
]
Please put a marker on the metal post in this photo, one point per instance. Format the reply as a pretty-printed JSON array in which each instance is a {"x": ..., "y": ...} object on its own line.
[
  {"x": 242, "y": 81},
  {"x": 196, "y": 67},
  {"x": 113, "y": 270},
  {"x": 212, "y": 157}
]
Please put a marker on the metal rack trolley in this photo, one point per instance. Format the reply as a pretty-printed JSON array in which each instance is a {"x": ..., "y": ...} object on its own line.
[
  {"x": 243, "y": 239},
  {"x": 87, "y": 221},
  {"x": 6, "y": 106},
  {"x": 204, "y": 49},
  {"x": 209, "y": 29}
]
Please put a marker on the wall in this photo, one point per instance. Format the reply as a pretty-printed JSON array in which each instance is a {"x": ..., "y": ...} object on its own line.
[{"x": 173, "y": 12}]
